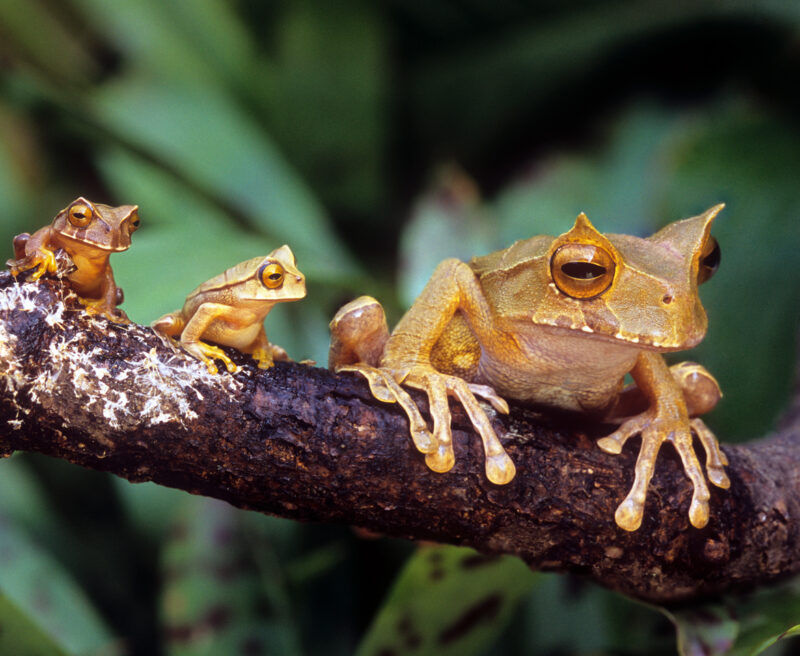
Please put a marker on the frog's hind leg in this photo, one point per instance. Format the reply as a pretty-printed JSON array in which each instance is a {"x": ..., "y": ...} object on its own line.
[
  {"x": 358, "y": 333},
  {"x": 263, "y": 352},
  {"x": 170, "y": 325},
  {"x": 20, "y": 241}
]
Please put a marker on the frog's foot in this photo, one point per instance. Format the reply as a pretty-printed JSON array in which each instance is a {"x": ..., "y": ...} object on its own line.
[
  {"x": 44, "y": 261},
  {"x": 499, "y": 467},
  {"x": 263, "y": 356},
  {"x": 655, "y": 428},
  {"x": 103, "y": 309},
  {"x": 207, "y": 353},
  {"x": 384, "y": 388},
  {"x": 438, "y": 447},
  {"x": 716, "y": 460}
]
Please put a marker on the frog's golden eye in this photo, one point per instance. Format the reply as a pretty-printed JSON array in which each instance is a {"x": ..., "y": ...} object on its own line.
[
  {"x": 271, "y": 275},
  {"x": 582, "y": 270},
  {"x": 710, "y": 258},
  {"x": 80, "y": 215}
]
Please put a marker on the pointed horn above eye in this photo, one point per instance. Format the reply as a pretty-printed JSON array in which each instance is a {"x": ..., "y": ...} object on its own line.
[
  {"x": 689, "y": 235},
  {"x": 585, "y": 233},
  {"x": 284, "y": 254}
]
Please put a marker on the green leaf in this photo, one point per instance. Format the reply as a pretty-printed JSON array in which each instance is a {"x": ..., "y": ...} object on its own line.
[
  {"x": 448, "y": 600},
  {"x": 203, "y": 40},
  {"x": 199, "y": 132},
  {"x": 452, "y": 207},
  {"x": 214, "y": 599},
  {"x": 739, "y": 626},
  {"x": 30, "y": 30},
  {"x": 21, "y": 636},
  {"x": 38, "y": 587},
  {"x": 328, "y": 106}
]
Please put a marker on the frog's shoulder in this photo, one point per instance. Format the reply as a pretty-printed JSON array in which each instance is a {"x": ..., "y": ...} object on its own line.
[
  {"x": 519, "y": 253},
  {"x": 229, "y": 277}
]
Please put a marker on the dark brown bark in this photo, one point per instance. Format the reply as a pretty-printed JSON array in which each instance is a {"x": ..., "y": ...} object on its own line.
[{"x": 300, "y": 442}]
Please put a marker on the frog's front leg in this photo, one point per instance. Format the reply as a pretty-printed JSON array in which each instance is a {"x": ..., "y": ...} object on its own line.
[
  {"x": 194, "y": 330},
  {"x": 359, "y": 334},
  {"x": 667, "y": 419},
  {"x": 700, "y": 390},
  {"x": 30, "y": 252}
]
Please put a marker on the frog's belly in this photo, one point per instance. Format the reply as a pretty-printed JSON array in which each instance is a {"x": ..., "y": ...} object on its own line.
[
  {"x": 567, "y": 371},
  {"x": 222, "y": 332}
]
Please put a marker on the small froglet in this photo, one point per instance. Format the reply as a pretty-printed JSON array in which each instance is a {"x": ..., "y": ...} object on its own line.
[
  {"x": 230, "y": 309},
  {"x": 557, "y": 321},
  {"x": 89, "y": 233}
]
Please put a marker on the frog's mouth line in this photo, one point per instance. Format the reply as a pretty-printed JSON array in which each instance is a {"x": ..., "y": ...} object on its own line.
[
  {"x": 661, "y": 346},
  {"x": 83, "y": 241}
]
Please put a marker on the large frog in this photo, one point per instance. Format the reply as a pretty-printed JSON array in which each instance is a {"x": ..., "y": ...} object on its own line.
[
  {"x": 230, "y": 310},
  {"x": 89, "y": 233},
  {"x": 556, "y": 321}
]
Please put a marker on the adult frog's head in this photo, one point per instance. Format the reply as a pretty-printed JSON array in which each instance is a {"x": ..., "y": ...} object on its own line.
[
  {"x": 97, "y": 226},
  {"x": 629, "y": 289}
]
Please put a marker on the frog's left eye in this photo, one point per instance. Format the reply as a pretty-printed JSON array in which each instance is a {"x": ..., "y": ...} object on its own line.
[
  {"x": 271, "y": 275},
  {"x": 80, "y": 215},
  {"x": 710, "y": 258},
  {"x": 582, "y": 270}
]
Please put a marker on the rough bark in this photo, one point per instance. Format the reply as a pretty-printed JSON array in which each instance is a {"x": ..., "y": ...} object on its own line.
[{"x": 300, "y": 442}]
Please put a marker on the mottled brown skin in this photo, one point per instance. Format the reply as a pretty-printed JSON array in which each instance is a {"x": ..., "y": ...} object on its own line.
[
  {"x": 556, "y": 321},
  {"x": 230, "y": 310},
  {"x": 89, "y": 233}
]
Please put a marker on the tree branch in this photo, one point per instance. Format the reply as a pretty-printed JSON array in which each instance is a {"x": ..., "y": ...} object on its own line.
[{"x": 300, "y": 442}]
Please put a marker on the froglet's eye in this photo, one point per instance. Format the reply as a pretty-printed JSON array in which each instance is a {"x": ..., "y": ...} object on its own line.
[
  {"x": 582, "y": 270},
  {"x": 271, "y": 275},
  {"x": 710, "y": 258},
  {"x": 80, "y": 215}
]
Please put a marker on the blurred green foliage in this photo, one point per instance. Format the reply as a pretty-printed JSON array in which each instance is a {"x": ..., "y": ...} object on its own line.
[{"x": 377, "y": 138}]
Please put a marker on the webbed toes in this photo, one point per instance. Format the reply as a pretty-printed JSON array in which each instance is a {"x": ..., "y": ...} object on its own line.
[{"x": 384, "y": 388}]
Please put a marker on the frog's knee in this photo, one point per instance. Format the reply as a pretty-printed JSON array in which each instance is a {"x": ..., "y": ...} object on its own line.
[
  {"x": 171, "y": 324},
  {"x": 700, "y": 389},
  {"x": 20, "y": 241},
  {"x": 358, "y": 333}
]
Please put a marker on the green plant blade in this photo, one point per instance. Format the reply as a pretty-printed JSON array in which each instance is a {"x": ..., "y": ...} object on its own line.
[
  {"x": 739, "y": 626},
  {"x": 447, "y": 600},
  {"x": 214, "y": 601},
  {"x": 40, "y": 589}
]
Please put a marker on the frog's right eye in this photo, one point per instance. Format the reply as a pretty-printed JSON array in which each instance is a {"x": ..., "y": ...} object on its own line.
[
  {"x": 80, "y": 215},
  {"x": 709, "y": 260},
  {"x": 271, "y": 275},
  {"x": 582, "y": 270}
]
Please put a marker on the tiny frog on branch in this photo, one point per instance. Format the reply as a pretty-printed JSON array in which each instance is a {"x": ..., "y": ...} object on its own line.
[
  {"x": 556, "y": 321},
  {"x": 89, "y": 233},
  {"x": 230, "y": 310}
]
